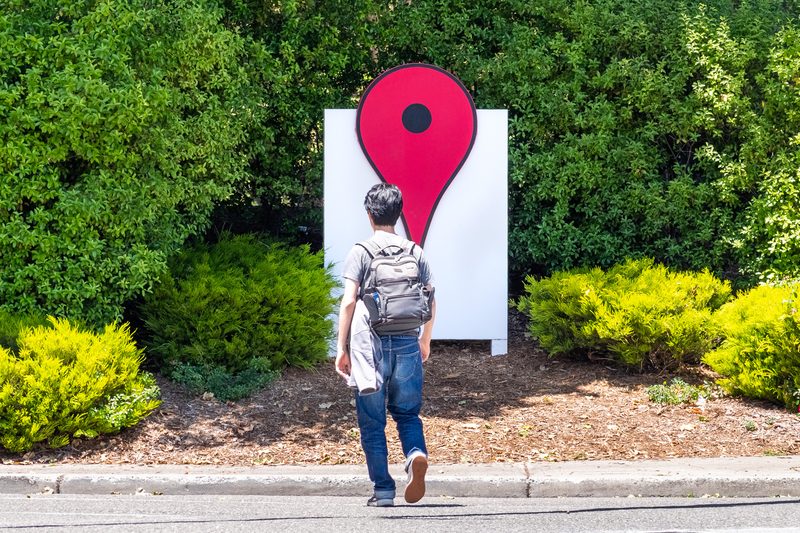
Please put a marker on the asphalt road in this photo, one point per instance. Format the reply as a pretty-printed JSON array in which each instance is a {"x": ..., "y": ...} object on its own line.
[{"x": 241, "y": 514}]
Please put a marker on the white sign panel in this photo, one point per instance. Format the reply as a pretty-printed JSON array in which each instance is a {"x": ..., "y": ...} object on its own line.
[{"x": 467, "y": 241}]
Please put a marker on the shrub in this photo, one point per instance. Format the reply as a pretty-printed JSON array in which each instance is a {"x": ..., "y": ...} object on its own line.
[
  {"x": 760, "y": 354},
  {"x": 66, "y": 382},
  {"x": 240, "y": 309},
  {"x": 639, "y": 312},
  {"x": 121, "y": 125}
]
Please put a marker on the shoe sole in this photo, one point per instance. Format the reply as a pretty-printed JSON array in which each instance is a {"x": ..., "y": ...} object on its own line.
[{"x": 415, "y": 489}]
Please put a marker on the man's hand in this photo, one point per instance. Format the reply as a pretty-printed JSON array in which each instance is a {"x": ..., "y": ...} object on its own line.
[
  {"x": 425, "y": 348},
  {"x": 343, "y": 363}
]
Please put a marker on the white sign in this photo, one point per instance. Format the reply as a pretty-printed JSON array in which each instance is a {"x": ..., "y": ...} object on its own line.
[{"x": 467, "y": 242}]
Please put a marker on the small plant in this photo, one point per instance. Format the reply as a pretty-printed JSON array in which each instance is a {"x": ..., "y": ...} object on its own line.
[
  {"x": 678, "y": 392},
  {"x": 749, "y": 425}
]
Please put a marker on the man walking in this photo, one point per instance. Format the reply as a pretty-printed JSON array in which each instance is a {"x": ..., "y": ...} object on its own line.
[{"x": 398, "y": 359}]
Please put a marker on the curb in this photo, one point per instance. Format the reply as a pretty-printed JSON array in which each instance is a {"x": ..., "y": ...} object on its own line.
[{"x": 728, "y": 477}]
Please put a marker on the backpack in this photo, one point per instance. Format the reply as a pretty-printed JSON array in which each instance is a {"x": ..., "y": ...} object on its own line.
[{"x": 395, "y": 297}]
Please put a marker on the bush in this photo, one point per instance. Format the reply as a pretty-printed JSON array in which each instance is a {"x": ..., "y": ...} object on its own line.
[
  {"x": 640, "y": 313},
  {"x": 121, "y": 125},
  {"x": 231, "y": 314},
  {"x": 760, "y": 354},
  {"x": 65, "y": 382}
]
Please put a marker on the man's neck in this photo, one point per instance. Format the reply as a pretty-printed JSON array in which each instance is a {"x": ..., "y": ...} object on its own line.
[{"x": 387, "y": 229}]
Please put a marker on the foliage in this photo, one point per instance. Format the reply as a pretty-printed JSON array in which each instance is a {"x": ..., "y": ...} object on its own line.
[
  {"x": 760, "y": 354},
  {"x": 66, "y": 382},
  {"x": 628, "y": 120},
  {"x": 12, "y": 325},
  {"x": 639, "y": 312},
  {"x": 768, "y": 166},
  {"x": 241, "y": 308},
  {"x": 224, "y": 384},
  {"x": 121, "y": 125},
  {"x": 303, "y": 57},
  {"x": 678, "y": 392}
]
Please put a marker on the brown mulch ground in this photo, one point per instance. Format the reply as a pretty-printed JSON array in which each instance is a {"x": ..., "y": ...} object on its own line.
[{"x": 478, "y": 408}]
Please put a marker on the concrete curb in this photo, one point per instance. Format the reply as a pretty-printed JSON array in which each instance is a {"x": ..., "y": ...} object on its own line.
[{"x": 732, "y": 477}]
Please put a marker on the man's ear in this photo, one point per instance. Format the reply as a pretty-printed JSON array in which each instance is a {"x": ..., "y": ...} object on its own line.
[{"x": 371, "y": 221}]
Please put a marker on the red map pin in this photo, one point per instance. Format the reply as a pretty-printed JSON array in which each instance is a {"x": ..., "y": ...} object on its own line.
[{"x": 416, "y": 124}]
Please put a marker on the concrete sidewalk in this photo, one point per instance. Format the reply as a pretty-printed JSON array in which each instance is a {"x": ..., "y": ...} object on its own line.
[{"x": 743, "y": 477}]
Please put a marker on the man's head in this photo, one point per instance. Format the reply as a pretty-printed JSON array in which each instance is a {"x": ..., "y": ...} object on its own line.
[{"x": 384, "y": 203}]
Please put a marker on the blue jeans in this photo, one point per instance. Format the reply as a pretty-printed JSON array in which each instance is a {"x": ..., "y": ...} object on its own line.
[{"x": 401, "y": 365}]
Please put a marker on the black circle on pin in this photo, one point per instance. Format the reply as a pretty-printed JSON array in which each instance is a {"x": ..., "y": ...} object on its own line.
[{"x": 416, "y": 118}]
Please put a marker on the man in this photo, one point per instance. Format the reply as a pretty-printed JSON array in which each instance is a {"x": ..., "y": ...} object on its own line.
[{"x": 401, "y": 358}]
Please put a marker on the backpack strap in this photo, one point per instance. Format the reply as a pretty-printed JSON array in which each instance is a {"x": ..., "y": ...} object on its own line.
[
  {"x": 373, "y": 249},
  {"x": 366, "y": 245}
]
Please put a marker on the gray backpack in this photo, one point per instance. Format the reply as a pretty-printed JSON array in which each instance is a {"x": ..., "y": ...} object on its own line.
[{"x": 392, "y": 291}]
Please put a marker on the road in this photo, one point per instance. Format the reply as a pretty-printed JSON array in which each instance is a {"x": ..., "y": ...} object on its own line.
[{"x": 43, "y": 512}]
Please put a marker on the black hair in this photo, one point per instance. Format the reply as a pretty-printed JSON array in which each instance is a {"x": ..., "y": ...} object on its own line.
[{"x": 384, "y": 203}]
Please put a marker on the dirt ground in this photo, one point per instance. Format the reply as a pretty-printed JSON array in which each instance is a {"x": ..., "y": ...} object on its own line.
[{"x": 518, "y": 407}]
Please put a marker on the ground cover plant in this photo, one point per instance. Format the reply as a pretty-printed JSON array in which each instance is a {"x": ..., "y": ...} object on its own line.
[
  {"x": 64, "y": 382},
  {"x": 677, "y": 392},
  {"x": 230, "y": 315}
]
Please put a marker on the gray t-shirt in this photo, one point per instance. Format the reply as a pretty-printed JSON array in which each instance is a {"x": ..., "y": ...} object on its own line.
[{"x": 357, "y": 262}]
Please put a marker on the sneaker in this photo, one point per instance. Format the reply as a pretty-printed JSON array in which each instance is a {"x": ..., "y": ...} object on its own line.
[
  {"x": 416, "y": 466},
  {"x": 382, "y": 502}
]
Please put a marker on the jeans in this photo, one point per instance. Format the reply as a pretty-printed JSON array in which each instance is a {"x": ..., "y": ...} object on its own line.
[{"x": 401, "y": 364}]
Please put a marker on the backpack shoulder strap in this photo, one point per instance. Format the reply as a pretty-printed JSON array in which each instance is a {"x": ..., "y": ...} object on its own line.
[{"x": 370, "y": 247}]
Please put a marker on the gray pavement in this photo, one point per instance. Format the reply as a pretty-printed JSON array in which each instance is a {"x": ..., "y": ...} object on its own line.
[
  {"x": 727, "y": 477},
  {"x": 316, "y": 514}
]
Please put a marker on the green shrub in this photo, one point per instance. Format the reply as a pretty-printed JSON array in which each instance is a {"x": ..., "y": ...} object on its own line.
[
  {"x": 760, "y": 354},
  {"x": 639, "y": 312},
  {"x": 240, "y": 308},
  {"x": 65, "y": 382},
  {"x": 121, "y": 125}
]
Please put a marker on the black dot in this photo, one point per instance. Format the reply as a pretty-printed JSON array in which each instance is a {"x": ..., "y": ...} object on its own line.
[{"x": 416, "y": 118}]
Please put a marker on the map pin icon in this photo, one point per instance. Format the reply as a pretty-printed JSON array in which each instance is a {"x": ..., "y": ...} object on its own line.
[{"x": 416, "y": 124}]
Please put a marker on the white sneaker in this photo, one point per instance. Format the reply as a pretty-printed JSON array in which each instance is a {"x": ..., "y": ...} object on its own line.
[{"x": 416, "y": 467}]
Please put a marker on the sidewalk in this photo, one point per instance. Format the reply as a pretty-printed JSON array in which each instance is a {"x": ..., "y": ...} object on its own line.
[{"x": 743, "y": 477}]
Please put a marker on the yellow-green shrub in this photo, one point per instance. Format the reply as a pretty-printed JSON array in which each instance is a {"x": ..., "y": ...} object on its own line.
[
  {"x": 760, "y": 354},
  {"x": 66, "y": 382},
  {"x": 638, "y": 312}
]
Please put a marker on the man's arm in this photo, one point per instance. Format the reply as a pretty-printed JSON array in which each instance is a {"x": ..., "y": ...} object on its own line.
[
  {"x": 346, "y": 309},
  {"x": 427, "y": 331}
]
